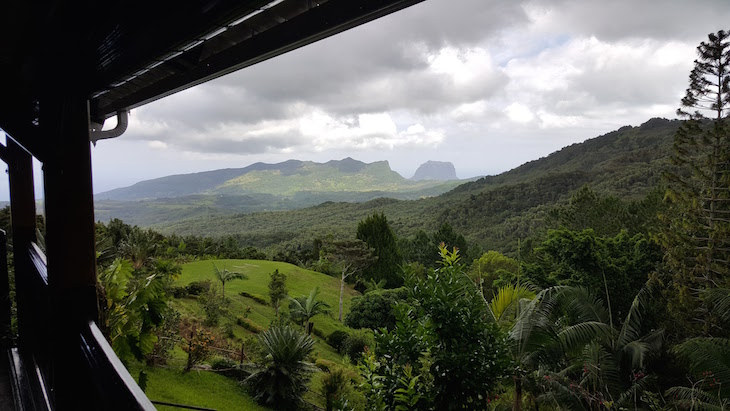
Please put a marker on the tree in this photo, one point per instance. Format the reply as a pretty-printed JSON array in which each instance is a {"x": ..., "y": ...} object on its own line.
[
  {"x": 451, "y": 239},
  {"x": 565, "y": 337},
  {"x": 305, "y": 307},
  {"x": 349, "y": 257},
  {"x": 446, "y": 335},
  {"x": 697, "y": 232},
  {"x": 281, "y": 378},
  {"x": 375, "y": 309},
  {"x": 491, "y": 267},
  {"x": 131, "y": 309},
  {"x": 277, "y": 289},
  {"x": 224, "y": 275},
  {"x": 377, "y": 234}
]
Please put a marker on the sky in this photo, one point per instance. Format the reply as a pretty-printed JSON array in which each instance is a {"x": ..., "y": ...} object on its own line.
[{"x": 485, "y": 84}]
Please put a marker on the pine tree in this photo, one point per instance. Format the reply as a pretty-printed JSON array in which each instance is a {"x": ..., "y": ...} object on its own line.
[{"x": 697, "y": 234}]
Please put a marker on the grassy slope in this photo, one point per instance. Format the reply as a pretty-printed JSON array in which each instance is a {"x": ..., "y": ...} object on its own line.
[
  {"x": 201, "y": 389},
  {"x": 299, "y": 282},
  {"x": 208, "y": 389}
]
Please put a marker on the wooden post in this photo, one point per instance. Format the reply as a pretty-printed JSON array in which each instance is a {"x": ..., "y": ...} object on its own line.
[
  {"x": 23, "y": 221},
  {"x": 5, "y": 303},
  {"x": 70, "y": 239}
]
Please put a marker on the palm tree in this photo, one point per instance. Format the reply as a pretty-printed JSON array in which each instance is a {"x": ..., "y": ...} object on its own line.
[
  {"x": 602, "y": 366},
  {"x": 224, "y": 275},
  {"x": 282, "y": 377},
  {"x": 304, "y": 308},
  {"x": 709, "y": 361}
]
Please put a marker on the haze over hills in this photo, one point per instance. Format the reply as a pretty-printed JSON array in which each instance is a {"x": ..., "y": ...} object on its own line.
[
  {"x": 492, "y": 211},
  {"x": 260, "y": 187}
]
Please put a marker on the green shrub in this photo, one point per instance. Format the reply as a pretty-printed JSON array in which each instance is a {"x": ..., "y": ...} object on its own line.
[
  {"x": 222, "y": 363},
  {"x": 228, "y": 330},
  {"x": 324, "y": 365},
  {"x": 334, "y": 385},
  {"x": 259, "y": 299},
  {"x": 337, "y": 339},
  {"x": 374, "y": 310},
  {"x": 354, "y": 345},
  {"x": 281, "y": 378},
  {"x": 213, "y": 306},
  {"x": 179, "y": 291},
  {"x": 198, "y": 287},
  {"x": 248, "y": 324},
  {"x": 319, "y": 333}
]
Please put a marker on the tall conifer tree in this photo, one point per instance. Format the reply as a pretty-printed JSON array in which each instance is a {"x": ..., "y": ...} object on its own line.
[{"x": 697, "y": 236}]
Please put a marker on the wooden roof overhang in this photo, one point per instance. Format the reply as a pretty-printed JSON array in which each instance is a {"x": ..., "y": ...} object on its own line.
[{"x": 124, "y": 54}]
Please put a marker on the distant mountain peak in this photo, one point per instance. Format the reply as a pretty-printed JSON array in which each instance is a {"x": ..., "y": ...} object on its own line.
[{"x": 435, "y": 170}]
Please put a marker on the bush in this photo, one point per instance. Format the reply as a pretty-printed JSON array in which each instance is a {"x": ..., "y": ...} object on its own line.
[
  {"x": 228, "y": 330},
  {"x": 212, "y": 305},
  {"x": 259, "y": 299},
  {"x": 324, "y": 365},
  {"x": 319, "y": 333},
  {"x": 198, "y": 287},
  {"x": 179, "y": 291},
  {"x": 198, "y": 348},
  {"x": 374, "y": 310},
  {"x": 282, "y": 377},
  {"x": 248, "y": 324},
  {"x": 354, "y": 345},
  {"x": 337, "y": 339},
  {"x": 334, "y": 385},
  {"x": 222, "y": 363}
]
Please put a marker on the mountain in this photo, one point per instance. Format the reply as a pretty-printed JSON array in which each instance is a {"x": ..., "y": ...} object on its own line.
[
  {"x": 260, "y": 187},
  {"x": 492, "y": 212},
  {"x": 435, "y": 170}
]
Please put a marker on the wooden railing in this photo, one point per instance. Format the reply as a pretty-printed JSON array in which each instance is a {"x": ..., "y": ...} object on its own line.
[
  {"x": 116, "y": 388},
  {"x": 107, "y": 385}
]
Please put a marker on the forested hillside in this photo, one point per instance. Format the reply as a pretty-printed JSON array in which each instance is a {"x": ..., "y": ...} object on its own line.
[{"x": 492, "y": 212}]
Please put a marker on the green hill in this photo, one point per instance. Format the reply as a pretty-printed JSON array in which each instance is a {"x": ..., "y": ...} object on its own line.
[
  {"x": 260, "y": 187},
  {"x": 299, "y": 282},
  {"x": 492, "y": 211}
]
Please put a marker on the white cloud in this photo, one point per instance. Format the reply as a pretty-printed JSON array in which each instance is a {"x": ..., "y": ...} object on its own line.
[{"x": 519, "y": 113}]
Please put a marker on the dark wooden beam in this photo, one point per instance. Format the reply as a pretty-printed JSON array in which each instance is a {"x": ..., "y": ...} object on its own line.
[
  {"x": 70, "y": 242},
  {"x": 23, "y": 222},
  {"x": 309, "y": 26}
]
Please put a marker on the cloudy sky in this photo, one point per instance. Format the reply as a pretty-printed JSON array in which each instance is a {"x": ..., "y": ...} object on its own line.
[{"x": 485, "y": 84}]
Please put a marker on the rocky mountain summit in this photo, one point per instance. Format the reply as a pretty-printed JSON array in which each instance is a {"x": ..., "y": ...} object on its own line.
[{"x": 435, "y": 170}]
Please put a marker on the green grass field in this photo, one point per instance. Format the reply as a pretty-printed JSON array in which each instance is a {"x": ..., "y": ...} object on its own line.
[
  {"x": 196, "y": 388},
  {"x": 207, "y": 389},
  {"x": 299, "y": 282}
]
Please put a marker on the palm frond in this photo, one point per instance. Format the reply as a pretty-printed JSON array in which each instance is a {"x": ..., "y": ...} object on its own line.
[
  {"x": 585, "y": 305},
  {"x": 720, "y": 300},
  {"x": 629, "y": 397},
  {"x": 695, "y": 399},
  {"x": 707, "y": 354},
  {"x": 631, "y": 329},
  {"x": 507, "y": 301},
  {"x": 577, "y": 335}
]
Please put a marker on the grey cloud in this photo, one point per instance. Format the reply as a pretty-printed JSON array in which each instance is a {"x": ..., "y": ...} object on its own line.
[{"x": 620, "y": 19}]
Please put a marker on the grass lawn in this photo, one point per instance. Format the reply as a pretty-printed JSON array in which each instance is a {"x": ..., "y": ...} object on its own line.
[
  {"x": 197, "y": 388},
  {"x": 299, "y": 282}
]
